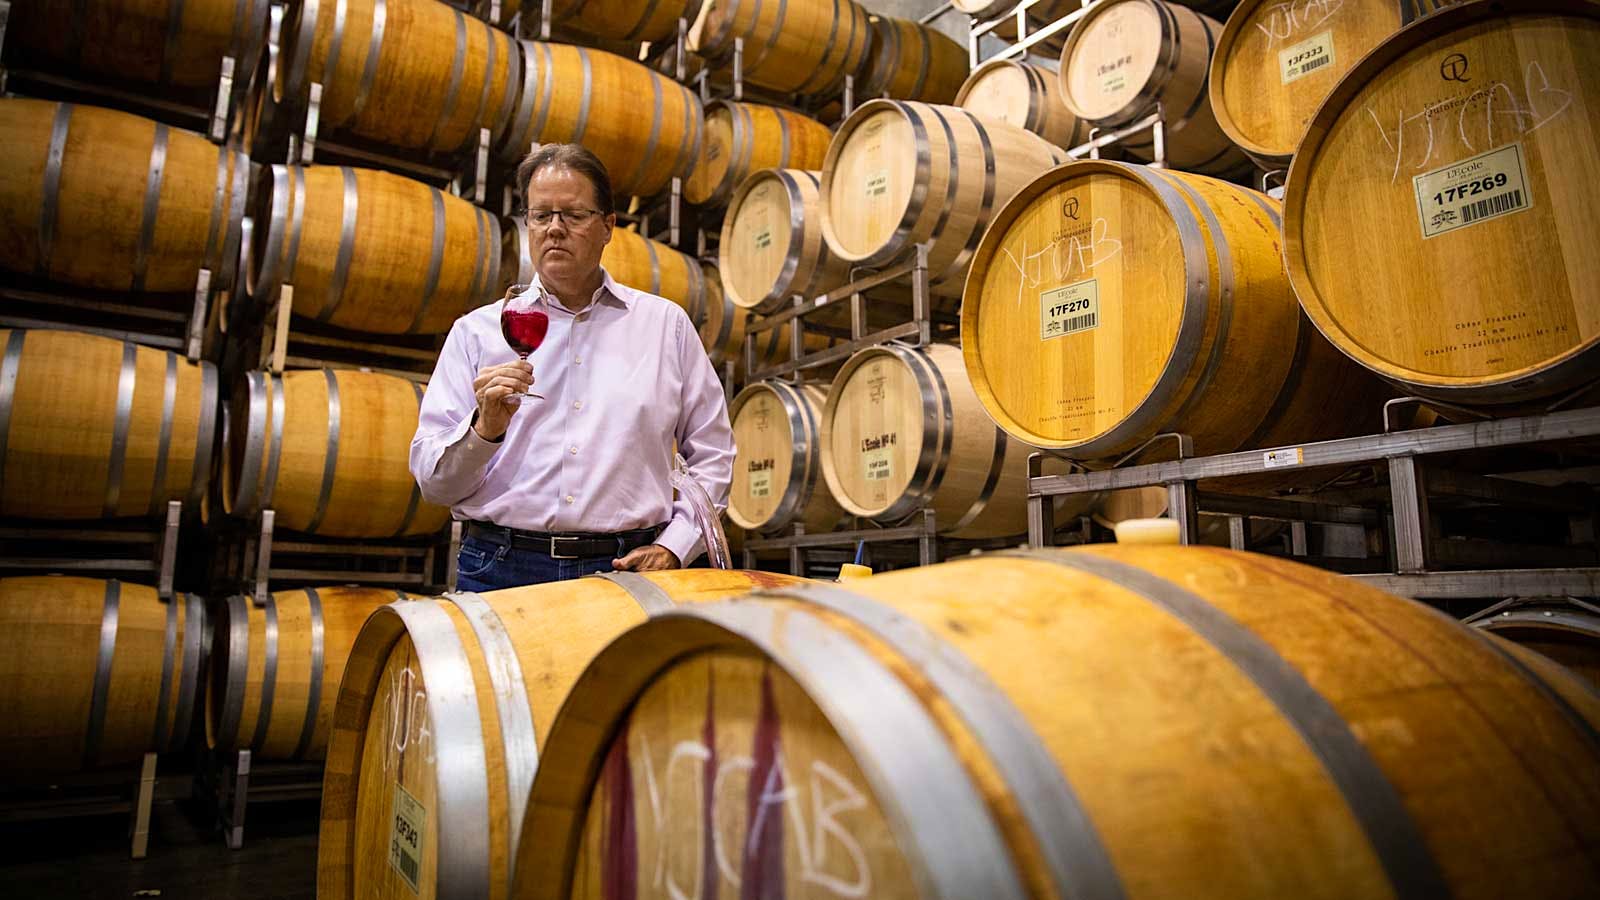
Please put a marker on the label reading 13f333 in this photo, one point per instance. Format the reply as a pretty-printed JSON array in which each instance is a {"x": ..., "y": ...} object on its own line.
[{"x": 1308, "y": 56}]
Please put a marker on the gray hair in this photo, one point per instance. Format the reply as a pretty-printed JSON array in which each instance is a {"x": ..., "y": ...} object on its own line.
[{"x": 575, "y": 157}]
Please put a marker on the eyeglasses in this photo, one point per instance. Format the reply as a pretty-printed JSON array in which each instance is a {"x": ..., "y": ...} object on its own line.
[{"x": 572, "y": 218}]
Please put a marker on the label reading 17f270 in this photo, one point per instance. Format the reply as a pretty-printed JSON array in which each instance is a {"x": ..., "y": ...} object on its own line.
[
  {"x": 761, "y": 483},
  {"x": 1308, "y": 56},
  {"x": 406, "y": 836},
  {"x": 1473, "y": 190},
  {"x": 1069, "y": 309}
]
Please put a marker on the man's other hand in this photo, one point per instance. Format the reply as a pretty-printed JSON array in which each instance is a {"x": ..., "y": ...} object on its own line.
[{"x": 649, "y": 558}]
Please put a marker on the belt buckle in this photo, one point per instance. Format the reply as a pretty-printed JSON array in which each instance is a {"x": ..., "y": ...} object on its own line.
[{"x": 555, "y": 541}]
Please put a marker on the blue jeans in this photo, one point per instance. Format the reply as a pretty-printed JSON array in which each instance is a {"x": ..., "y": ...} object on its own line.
[{"x": 486, "y": 566}]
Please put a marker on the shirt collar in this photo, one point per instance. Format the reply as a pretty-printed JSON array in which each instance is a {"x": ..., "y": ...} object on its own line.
[{"x": 609, "y": 291}]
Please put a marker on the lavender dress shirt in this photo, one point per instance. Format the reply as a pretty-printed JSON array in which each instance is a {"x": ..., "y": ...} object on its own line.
[{"x": 622, "y": 379}]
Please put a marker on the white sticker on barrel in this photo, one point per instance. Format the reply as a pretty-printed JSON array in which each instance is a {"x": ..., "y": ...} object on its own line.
[
  {"x": 761, "y": 483},
  {"x": 1070, "y": 309},
  {"x": 1277, "y": 459},
  {"x": 763, "y": 236},
  {"x": 405, "y": 838},
  {"x": 878, "y": 464},
  {"x": 1311, "y": 54},
  {"x": 877, "y": 183},
  {"x": 1486, "y": 186}
]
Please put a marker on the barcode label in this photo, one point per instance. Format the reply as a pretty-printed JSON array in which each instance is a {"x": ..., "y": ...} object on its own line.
[
  {"x": 1305, "y": 57},
  {"x": 764, "y": 237},
  {"x": 410, "y": 823},
  {"x": 1493, "y": 206},
  {"x": 1070, "y": 309},
  {"x": 761, "y": 483},
  {"x": 1080, "y": 323},
  {"x": 1473, "y": 190},
  {"x": 878, "y": 183},
  {"x": 408, "y": 868}
]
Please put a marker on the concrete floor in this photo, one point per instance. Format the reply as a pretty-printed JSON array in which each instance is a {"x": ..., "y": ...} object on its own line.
[{"x": 88, "y": 857}]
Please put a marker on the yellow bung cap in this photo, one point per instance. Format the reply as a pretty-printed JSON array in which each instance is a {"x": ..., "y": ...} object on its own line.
[{"x": 1147, "y": 531}]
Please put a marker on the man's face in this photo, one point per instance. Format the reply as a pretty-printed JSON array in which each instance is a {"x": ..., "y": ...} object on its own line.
[{"x": 562, "y": 251}]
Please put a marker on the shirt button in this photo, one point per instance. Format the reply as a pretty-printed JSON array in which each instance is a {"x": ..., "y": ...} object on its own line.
[
  {"x": 569, "y": 498},
  {"x": 578, "y": 405},
  {"x": 573, "y": 450},
  {"x": 577, "y": 360}
]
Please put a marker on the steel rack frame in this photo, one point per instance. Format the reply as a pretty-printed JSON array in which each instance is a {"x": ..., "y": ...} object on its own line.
[
  {"x": 113, "y": 549},
  {"x": 260, "y": 559},
  {"x": 1419, "y": 556},
  {"x": 917, "y": 329},
  {"x": 1027, "y": 37},
  {"x": 186, "y": 323},
  {"x": 228, "y": 782},
  {"x": 130, "y": 789},
  {"x": 920, "y": 527}
]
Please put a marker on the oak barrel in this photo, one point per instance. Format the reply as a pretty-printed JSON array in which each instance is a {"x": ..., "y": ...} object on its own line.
[
  {"x": 1126, "y": 56},
  {"x": 571, "y": 94},
  {"x": 97, "y": 673},
  {"x": 1567, "y": 632},
  {"x": 1110, "y": 303},
  {"x": 177, "y": 43},
  {"x": 902, "y": 429},
  {"x": 327, "y": 449},
  {"x": 415, "y": 74},
  {"x": 1441, "y": 231},
  {"x": 1025, "y": 95},
  {"x": 798, "y": 46},
  {"x": 777, "y": 470},
  {"x": 371, "y": 251},
  {"x": 772, "y": 246},
  {"x": 1100, "y": 722},
  {"x": 902, "y": 173},
  {"x": 911, "y": 61},
  {"x": 104, "y": 199},
  {"x": 92, "y": 427},
  {"x": 741, "y": 138},
  {"x": 1276, "y": 62},
  {"x": 275, "y": 669},
  {"x": 626, "y": 21},
  {"x": 641, "y": 263},
  {"x": 440, "y": 716}
]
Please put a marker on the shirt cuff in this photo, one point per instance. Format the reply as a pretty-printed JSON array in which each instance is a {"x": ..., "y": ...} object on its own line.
[
  {"x": 682, "y": 538},
  {"x": 472, "y": 448}
]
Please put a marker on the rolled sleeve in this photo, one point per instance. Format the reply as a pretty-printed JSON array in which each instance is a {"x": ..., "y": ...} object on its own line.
[{"x": 448, "y": 458}]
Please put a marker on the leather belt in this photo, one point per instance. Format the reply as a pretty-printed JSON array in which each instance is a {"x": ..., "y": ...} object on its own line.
[{"x": 570, "y": 545}]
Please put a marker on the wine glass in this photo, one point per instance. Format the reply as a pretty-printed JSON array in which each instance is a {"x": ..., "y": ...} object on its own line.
[{"x": 524, "y": 324}]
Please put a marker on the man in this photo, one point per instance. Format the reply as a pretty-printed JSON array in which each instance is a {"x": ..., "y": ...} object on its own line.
[{"x": 576, "y": 482}]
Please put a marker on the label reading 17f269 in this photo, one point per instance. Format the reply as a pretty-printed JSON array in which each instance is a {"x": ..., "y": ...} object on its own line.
[
  {"x": 1473, "y": 190},
  {"x": 1069, "y": 309},
  {"x": 1308, "y": 56},
  {"x": 406, "y": 835}
]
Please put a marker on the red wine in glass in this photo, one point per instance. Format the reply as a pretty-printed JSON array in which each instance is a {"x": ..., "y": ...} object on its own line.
[{"x": 523, "y": 324}]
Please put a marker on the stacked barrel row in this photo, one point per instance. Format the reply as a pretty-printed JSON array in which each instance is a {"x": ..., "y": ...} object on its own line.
[{"x": 103, "y": 210}]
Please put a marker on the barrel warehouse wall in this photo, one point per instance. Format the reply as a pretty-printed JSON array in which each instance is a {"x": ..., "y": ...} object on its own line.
[{"x": 1303, "y": 286}]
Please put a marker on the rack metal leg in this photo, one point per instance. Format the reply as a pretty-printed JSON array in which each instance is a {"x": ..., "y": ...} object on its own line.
[
  {"x": 141, "y": 806},
  {"x": 1041, "y": 510},
  {"x": 1183, "y": 506},
  {"x": 1408, "y": 491},
  {"x": 928, "y": 544},
  {"x": 1238, "y": 532},
  {"x": 238, "y": 788}
]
